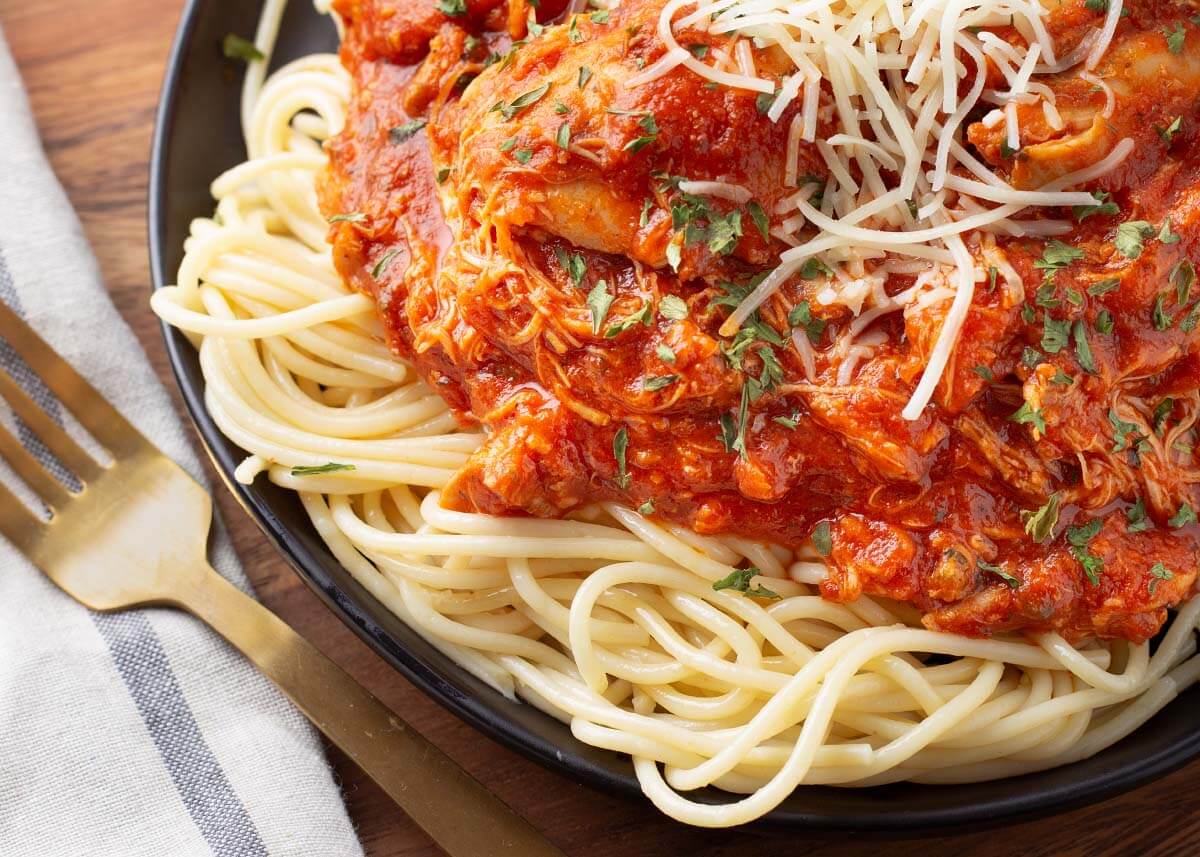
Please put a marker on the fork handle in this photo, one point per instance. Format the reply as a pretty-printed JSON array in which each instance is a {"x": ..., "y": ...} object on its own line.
[{"x": 457, "y": 812}]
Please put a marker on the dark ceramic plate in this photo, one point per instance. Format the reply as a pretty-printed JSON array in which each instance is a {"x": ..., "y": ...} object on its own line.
[{"x": 198, "y": 136}]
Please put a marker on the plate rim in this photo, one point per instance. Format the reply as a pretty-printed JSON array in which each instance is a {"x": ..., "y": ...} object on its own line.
[{"x": 1017, "y": 806}]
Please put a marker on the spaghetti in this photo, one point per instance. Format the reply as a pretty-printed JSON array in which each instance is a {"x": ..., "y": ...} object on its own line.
[{"x": 607, "y": 620}]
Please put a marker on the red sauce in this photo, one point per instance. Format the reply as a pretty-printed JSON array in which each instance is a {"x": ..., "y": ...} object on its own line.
[{"x": 928, "y": 511}]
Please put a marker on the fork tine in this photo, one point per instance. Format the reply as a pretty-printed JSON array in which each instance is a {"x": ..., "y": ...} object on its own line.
[
  {"x": 91, "y": 409},
  {"x": 17, "y": 523},
  {"x": 64, "y": 447},
  {"x": 35, "y": 475}
]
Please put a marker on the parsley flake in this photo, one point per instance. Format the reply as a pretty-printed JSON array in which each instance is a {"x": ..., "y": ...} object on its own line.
[
  {"x": 673, "y": 307},
  {"x": 234, "y": 47},
  {"x": 321, "y": 469},
  {"x": 1106, "y": 206},
  {"x": 1184, "y": 516},
  {"x": 1175, "y": 38},
  {"x": 1039, "y": 524},
  {"x": 821, "y": 539},
  {"x": 599, "y": 300},
  {"x": 1130, "y": 237},
  {"x": 1136, "y": 519},
  {"x": 1158, "y": 572},
  {"x": 1012, "y": 582},
  {"x": 404, "y": 132},
  {"x": 573, "y": 265},
  {"x": 620, "y": 445},
  {"x": 1026, "y": 414},
  {"x": 739, "y": 581}
]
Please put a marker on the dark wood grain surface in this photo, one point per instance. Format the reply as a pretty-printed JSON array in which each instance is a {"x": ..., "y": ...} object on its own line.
[{"x": 93, "y": 69}]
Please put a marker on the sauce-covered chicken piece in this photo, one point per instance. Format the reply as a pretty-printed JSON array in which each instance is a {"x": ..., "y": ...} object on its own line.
[{"x": 555, "y": 233}]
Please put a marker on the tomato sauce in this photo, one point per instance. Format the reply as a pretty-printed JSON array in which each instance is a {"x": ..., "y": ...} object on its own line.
[{"x": 1072, "y": 392}]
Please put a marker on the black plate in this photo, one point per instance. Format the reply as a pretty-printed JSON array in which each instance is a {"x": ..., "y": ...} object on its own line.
[{"x": 198, "y": 136}]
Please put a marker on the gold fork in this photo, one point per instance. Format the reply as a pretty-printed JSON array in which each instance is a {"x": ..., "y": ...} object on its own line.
[{"x": 135, "y": 536}]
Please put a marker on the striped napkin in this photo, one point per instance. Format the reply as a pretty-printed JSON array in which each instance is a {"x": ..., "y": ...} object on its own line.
[{"x": 138, "y": 733}]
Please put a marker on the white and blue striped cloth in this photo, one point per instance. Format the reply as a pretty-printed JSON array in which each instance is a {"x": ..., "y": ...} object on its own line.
[{"x": 139, "y": 733}]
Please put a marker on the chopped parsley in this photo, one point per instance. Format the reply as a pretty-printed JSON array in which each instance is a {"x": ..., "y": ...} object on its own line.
[
  {"x": 442, "y": 175},
  {"x": 724, "y": 232},
  {"x": 1182, "y": 277},
  {"x": 739, "y": 581},
  {"x": 1031, "y": 357},
  {"x": 563, "y": 138},
  {"x": 1026, "y": 414},
  {"x": 788, "y": 422},
  {"x": 573, "y": 264},
  {"x": 585, "y": 74},
  {"x": 654, "y": 383},
  {"x": 647, "y": 204},
  {"x": 1159, "y": 316},
  {"x": 821, "y": 539},
  {"x": 522, "y": 156},
  {"x": 1083, "y": 351},
  {"x": 647, "y": 508},
  {"x": 674, "y": 251},
  {"x": 321, "y": 469},
  {"x": 1039, "y": 524},
  {"x": 673, "y": 307},
  {"x": 453, "y": 8},
  {"x": 1102, "y": 287},
  {"x": 1104, "y": 321},
  {"x": 733, "y": 427},
  {"x": 1130, "y": 237},
  {"x": 665, "y": 354},
  {"x": 1168, "y": 134},
  {"x": 599, "y": 300},
  {"x": 1189, "y": 321},
  {"x": 236, "y": 48},
  {"x": 1136, "y": 519},
  {"x": 1122, "y": 432},
  {"x": 761, "y": 222},
  {"x": 1162, "y": 413},
  {"x": 620, "y": 445},
  {"x": 512, "y": 108},
  {"x": 1079, "y": 539},
  {"x": 984, "y": 372},
  {"x": 643, "y": 316},
  {"x": 1184, "y": 516},
  {"x": 1057, "y": 256},
  {"x": 403, "y": 132},
  {"x": 801, "y": 316},
  {"x": 1012, "y": 582},
  {"x": 1061, "y": 378},
  {"x": 1175, "y": 38},
  {"x": 1158, "y": 572},
  {"x": 1106, "y": 206},
  {"x": 1055, "y": 335},
  {"x": 383, "y": 263},
  {"x": 600, "y": 16}
]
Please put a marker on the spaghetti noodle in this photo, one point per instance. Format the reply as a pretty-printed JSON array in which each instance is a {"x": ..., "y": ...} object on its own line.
[{"x": 607, "y": 620}]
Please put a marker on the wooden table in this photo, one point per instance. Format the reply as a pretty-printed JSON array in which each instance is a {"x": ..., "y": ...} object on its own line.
[{"x": 93, "y": 69}]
